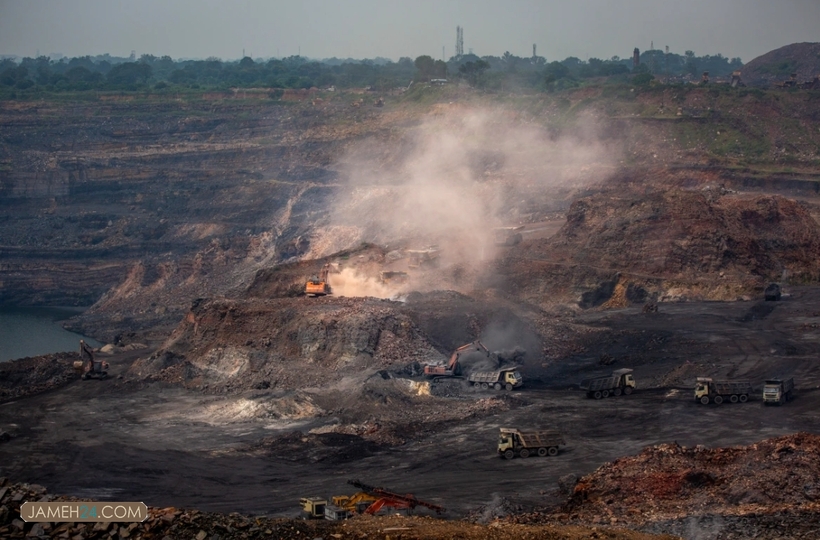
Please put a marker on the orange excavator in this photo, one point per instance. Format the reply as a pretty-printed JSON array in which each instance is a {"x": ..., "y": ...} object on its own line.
[
  {"x": 318, "y": 285},
  {"x": 453, "y": 367}
]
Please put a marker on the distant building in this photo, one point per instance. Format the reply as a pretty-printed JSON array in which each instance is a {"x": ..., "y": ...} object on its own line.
[
  {"x": 636, "y": 58},
  {"x": 438, "y": 82}
]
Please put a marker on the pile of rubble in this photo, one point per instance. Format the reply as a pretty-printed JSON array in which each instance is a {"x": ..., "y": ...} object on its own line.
[
  {"x": 772, "y": 484},
  {"x": 172, "y": 523},
  {"x": 32, "y": 375}
]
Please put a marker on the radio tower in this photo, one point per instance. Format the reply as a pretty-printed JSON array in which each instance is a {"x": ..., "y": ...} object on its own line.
[{"x": 459, "y": 42}]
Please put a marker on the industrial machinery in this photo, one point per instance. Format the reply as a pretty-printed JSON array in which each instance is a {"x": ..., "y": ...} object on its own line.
[
  {"x": 778, "y": 391},
  {"x": 514, "y": 442},
  {"x": 90, "y": 367},
  {"x": 393, "y": 500},
  {"x": 356, "y": 503},
  {"x": 453, "y": 367},
  {"x": 707, "y": 390},
  {"x": 422, "y": 257},
  {"x": 619, "y": 382},
  {"x": 507, "y": 378},
  {"x": 319, "y": 285},
  {"x": 772, "y": 292},
  {"x": 313, "y": 507},
  {"x": 507, "y": 236}
]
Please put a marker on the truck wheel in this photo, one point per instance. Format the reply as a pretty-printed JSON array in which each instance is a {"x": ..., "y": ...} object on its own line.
[
  {"x": 616, "y": 392},
  {"x": 542, "y": 452},
  {"x": 497, "y": 386},
  {"x": 605, "y": 393},
  {"x": 509, "y": 454},
  {"x": 597, "y": 395},
  {"x": 733, "y": 399},
  {"x": 705, "y": 400},
  {"x": 524, "y": 453},
  {"x": 485, "y": 386},
  {"x": 553, "y": 451},
  {"x": 718, "y": 400},
  {"x": 743, "y": 398},
  {"x": 628, "y": 390},
  {"x": 509, "y": 387}
]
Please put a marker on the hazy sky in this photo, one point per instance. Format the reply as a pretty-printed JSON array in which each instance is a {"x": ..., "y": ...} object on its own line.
[{"x": 394, "y": 28}]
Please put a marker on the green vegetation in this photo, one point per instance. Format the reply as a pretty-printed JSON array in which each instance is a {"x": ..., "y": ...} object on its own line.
[{"x": 34, "y": 77}]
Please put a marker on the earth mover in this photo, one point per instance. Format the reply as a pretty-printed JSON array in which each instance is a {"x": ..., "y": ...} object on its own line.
[
  {"x": 90, "y": 367},
  {"x": 313, "y": 507},
  {"x": 453, "y": 367},
  {"x": 778, "y": 391},
  {"x": 619, "y": 382},
  {"x": 707, "y": 390},
  {"x": 514, "y": 442},
  {"x": 319, "y": 285},
  {"x": 507, "y": 378}
]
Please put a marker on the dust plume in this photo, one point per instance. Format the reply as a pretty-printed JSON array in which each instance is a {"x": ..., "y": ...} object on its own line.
[
  {"x": 349, "y": 282},
  {"x": 450, "y": 180}
]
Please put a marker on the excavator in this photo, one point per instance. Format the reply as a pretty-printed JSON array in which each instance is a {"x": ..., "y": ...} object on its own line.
[
  {"x": 318, "y": 285},
  {"x": 453, "y": 367},
  {"x": 91, "y": 368}
]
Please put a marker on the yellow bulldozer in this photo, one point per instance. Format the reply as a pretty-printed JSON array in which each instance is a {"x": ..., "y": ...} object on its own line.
[{"x": 319, "y": 285}]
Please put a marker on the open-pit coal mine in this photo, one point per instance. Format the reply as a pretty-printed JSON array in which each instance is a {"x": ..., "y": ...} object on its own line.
[{"x": 503, "y": 320}]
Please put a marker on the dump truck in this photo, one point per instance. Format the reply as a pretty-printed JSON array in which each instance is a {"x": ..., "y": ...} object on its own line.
[
  {"x": 707, "y": 390},
  {"x": 619, "y": 382},
  {"x": 778, "y": 391},
  {"x": 507, "y": 236},
  {"x": 514, "y": 442},
  {"x": 507, "y": 378},
  {"x": 313, "y": 507}
]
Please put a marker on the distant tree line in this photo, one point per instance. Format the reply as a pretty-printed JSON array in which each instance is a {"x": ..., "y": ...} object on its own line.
[{"x": 506, "y": 72}]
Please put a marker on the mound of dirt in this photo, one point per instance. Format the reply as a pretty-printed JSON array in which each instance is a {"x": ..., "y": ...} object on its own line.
[
  {"x": 32, "y": 375},
  {"x": 742, "y": 489},
  {"x": 778, "y": 65},
  {"x": 670, "y": 245}
]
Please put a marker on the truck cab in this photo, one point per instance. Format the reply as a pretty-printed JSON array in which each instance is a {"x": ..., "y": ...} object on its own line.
[
  {"x": 506, "y": 441},
  {"x": 702, "y": 387},
  {"x": 313, "y": 507},
  {"x": 514, "y": 378}
]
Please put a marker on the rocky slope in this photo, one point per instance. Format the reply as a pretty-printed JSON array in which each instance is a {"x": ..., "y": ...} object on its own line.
[
  {"x": 778, "y": 65},
  {"x": 669, "y": 245},
  {"x": 763, "y": 490}
]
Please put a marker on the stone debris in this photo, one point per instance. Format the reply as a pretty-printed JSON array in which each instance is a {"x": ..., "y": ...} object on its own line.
[
  {"x": 176, "y": 524},
  {"x": 32, "y": 375},
  {"x": 764, "y": 490}
]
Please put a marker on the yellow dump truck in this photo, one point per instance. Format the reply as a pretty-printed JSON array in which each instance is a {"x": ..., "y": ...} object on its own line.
[{"x": 514, "y": 442}]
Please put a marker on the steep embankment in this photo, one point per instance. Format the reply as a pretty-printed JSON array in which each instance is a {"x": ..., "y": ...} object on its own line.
[{"x": 669, "y": 245}]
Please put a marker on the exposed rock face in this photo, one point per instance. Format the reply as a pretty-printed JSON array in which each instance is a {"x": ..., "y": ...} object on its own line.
[{"x": 674, "y": 245}]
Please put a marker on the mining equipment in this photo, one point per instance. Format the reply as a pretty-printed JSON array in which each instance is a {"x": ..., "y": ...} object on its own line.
[
  {"x": 453, "y": 367},
  {"x": 319, "y": 285},
  {"x": 422, "y": 257},
  {"x": 707, "y": 390},
  {"x": 392, "y": 276},
  {"x": 507, "y": 236},
  {"x": 772, "y": 292},
  {"x": 507, "y": 378},
  {"x": 514, "y": 442},
  {"x": 313, "y": 507},
  {"x": 778, "y": 391},
  {"x": 619, "y": 382},
  {"x": 90, "y": 367},
  {"x": 390, "y": 499}
]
